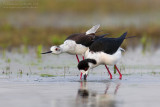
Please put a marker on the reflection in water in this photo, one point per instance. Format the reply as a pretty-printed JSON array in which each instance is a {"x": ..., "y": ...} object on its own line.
[
  {"x": 83, "y": 92},
  {"x": 116, "y": 89},
  {"x": 87, "y": 97}
]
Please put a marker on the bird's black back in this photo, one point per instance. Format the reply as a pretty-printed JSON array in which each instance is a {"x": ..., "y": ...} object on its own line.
[
  {"x": 82, "y": 38},
  {"x": 107, "y": 45}
]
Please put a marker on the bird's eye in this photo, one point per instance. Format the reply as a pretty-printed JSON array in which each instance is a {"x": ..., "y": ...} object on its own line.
[{"x": 56, "y": 49}]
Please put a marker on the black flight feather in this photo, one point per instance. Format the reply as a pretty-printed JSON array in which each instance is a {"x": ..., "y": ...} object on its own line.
[
  {"x": 86, "y": 40},
  {"x": 107, "y": 45}
]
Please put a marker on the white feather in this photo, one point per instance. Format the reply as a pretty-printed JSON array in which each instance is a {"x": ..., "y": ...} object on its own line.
[
  {"x": 122, "y": 49},
  {"x": 71, "y": 47},
  {"x": 93, "y": 29},
  {"x": 103, "y": 58}
]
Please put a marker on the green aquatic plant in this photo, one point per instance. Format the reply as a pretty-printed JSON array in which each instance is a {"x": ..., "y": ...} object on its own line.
[
  {"x": 7, "y": 27},
  {"x": 25, "y": 40},
  {"x": 153, "y": 72},
  {"x": 114, "y": 69},
  {"x": 20, "y": 72},
  {"x": 47, "y": 75},
  {"x": 144, "y": 43},
  {"x": 39, "y": 50},
  {"x": 56, "y": 39},
  {"x": 25, "y": 49},
  {"x": 48, "y": 36},
  {"x": 8, "y": 60}
]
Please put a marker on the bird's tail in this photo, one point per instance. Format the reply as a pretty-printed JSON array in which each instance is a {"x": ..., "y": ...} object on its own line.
[{"x": 123, "y": 36}]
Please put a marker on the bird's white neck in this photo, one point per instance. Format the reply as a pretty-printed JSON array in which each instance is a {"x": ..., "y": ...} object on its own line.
[{"x": 62, "y": 48}]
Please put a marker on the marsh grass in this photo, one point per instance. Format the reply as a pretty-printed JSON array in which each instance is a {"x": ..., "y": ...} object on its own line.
[
  {"x": 39, "y": 50},
  {"x": 47, "y": 75},
  {"x": 8, "y": 60},
  {"x": 13, "y": 35},
  {"x": 114, "y": 70},
  {"x": 47, "y": 37},
  {"x": 57, "y": 39},
  {"x": 20, "y": 72}
]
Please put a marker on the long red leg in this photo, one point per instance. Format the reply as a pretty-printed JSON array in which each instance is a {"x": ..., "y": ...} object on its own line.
[
  {"x": 120, "y": 75},
  {"x": 78, "y": 62},
  {"x": 83, "y": 57},
  {"x": 81, "y": 76},
  {"x": 109, "y": 72},
  {"x": 77, "y": 58}
]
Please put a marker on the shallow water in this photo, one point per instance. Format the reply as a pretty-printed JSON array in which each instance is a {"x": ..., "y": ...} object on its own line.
[
  {"x": 131, "y": 91},
  {"x": 23, "y": 85}
]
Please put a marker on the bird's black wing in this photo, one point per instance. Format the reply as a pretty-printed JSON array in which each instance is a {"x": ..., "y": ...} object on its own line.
[
  {"x": 84, "y": 39},
  {"x": 107, "y": 45}
]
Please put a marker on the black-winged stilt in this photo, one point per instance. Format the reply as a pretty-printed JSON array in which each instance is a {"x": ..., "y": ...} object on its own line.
[
  {"x": 104, "y": 51},
  {"x": 77, "y": 44}
]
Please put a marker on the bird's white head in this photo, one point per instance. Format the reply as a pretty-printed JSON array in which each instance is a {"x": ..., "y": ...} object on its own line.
[
  {"x": 54, "y": 50},
  {"x": 85, "y": 65}
]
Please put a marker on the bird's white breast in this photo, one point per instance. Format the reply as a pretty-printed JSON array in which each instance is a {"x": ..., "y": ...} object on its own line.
[
  {"x": 71, "y": 47},
  {"x": 103, "y": 58}
]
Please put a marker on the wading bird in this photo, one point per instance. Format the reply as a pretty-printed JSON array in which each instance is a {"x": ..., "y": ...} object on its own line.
[
  {"x": 77, "y": 44},
  {"x": 104, "y": 51}
]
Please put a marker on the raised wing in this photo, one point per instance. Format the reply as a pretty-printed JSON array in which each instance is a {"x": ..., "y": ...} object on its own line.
[
  {"x": 107, "y": 45},
  {"x": 93, "y": 29},
  {"x": 82, "y": 38}
]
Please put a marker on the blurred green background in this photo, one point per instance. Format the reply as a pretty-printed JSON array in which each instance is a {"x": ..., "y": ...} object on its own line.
[{"x": 49, "y": 22}]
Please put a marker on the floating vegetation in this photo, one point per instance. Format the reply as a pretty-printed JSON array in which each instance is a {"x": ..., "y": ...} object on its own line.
[{"x": 47, "y": 75}]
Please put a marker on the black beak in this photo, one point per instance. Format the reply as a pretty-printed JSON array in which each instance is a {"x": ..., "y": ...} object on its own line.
[{"x": 47, "y": 52}]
